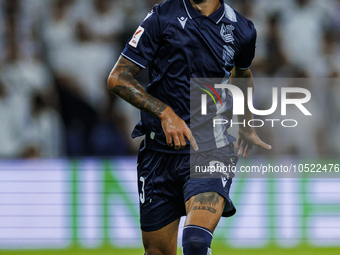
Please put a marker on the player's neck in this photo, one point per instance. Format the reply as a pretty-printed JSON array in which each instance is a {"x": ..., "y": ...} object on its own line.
[{"x": 206, "y": 7}]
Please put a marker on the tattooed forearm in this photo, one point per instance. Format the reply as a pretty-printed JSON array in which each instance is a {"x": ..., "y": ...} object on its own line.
[
  {"x": 122, "y": 82},
  {"x": 208, "y": 198},
  {"x": 203, "y": 207},
  {"x": 140, "y": 99}
]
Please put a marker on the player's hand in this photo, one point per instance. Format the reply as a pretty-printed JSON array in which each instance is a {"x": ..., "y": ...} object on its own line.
[
  {"x": 246, "y": 141},
  {"x": 176, "y": 130}
]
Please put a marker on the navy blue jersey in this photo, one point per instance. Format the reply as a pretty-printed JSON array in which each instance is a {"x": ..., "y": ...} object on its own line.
[{"x": 178, "y": 44}]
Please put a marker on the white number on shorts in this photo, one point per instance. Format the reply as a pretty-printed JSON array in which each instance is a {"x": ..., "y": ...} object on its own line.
[{"x": 142, "y": 195}]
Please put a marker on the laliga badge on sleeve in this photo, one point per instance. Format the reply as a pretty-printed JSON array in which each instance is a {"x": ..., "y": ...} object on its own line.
[{"x": 136, "y": 37}]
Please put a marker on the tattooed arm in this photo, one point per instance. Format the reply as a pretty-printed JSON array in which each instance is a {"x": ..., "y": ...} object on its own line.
[{"x": 122, "y": 82}]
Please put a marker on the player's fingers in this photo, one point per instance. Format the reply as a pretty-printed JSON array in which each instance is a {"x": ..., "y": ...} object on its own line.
[
  {"x": 241, "y": 148},
  {"x": 168, "y": 140},
  {"x": 183, "y": 142},
  {"x": 192, "y": 140},
  {"x": 177, "y": 142},
  {"x": 262, "y": 144},
  {"x": 248, "y": 150},
  {"x": 238, "y": 142}
]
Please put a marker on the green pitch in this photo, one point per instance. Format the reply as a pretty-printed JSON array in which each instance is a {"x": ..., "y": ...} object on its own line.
[{"x": 216, "y": 250}]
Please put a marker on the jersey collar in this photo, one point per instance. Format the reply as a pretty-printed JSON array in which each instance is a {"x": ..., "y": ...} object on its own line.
[{"x": 216, "y": 17}]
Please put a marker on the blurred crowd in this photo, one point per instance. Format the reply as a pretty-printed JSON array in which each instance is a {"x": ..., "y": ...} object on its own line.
[{"x": 55, "y": 56}]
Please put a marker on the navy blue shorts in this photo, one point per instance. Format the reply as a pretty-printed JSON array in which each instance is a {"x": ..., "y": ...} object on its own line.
[{"x": 164, "y": 184}]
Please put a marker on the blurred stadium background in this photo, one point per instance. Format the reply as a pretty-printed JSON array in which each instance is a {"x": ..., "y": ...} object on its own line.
[{"x": 67, "y": 168}]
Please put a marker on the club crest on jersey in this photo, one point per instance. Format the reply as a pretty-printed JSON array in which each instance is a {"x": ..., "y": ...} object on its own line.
[{"x": 227, "y": 33}]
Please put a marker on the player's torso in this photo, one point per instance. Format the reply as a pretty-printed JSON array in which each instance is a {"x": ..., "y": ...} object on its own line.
[{"x": 192, "y": 46}]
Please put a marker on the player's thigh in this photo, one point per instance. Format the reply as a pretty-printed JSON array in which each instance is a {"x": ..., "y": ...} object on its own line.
[
  {"x": 162, "y": 241},
  {"x": 205, "y": 210}
]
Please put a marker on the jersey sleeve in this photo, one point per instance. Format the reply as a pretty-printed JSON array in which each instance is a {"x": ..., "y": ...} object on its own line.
[
  {"x": 144, "y": 44},
  {"x": 247, "y": 53}
]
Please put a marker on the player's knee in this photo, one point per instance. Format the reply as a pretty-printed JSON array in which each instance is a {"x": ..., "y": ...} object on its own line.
[{"x": 196, "y": 240}]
